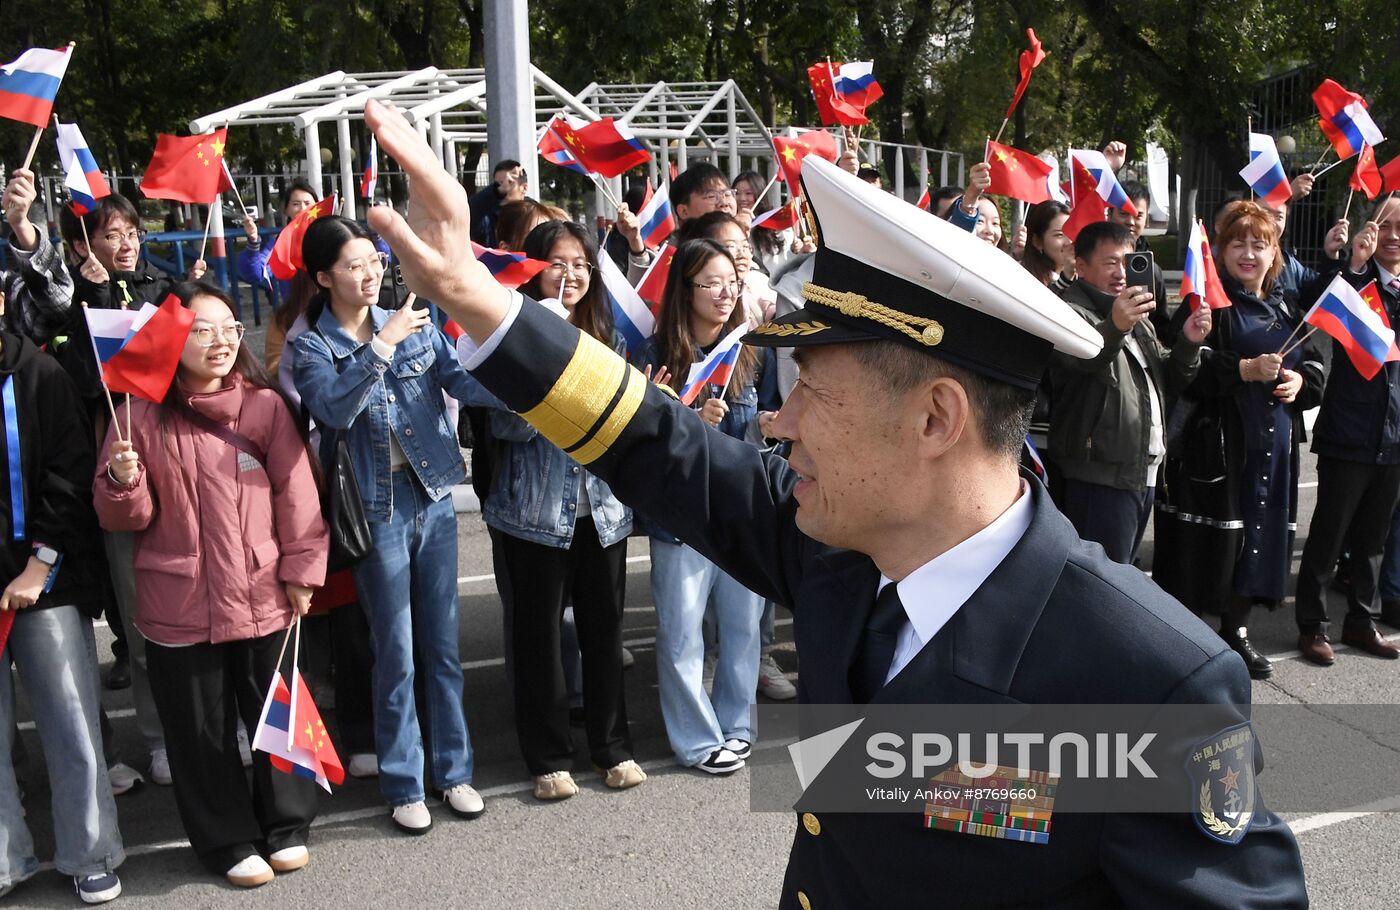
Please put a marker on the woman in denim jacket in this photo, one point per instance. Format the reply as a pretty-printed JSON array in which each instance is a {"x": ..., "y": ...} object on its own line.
[
  {"x": 709, "y": 732},
  {"x": 380, "y": 377},
  {"x": 563, "y": 540}
]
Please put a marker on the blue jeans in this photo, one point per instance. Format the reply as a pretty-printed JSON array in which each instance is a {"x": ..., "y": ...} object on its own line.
[
  {"x": 1390, "y": 562},
  {"x": 408, "y": 587},
  {"x": 682, "y": 583},
  {"x": 55, "y": 655}
]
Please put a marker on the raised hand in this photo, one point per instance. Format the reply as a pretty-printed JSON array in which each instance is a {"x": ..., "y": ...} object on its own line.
[{"x": 433, "y": 244}]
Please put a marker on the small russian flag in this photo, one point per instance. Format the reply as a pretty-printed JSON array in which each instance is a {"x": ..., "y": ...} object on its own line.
[
  {"x": 81, "y": 175},
  {"x": 511, "y": 270},
  {"x": 273, "y": 735},
  {"x": 1345, "y": 120},
  {"x": 632, "y": 317},
  {"x": 1342, "y": 313},
  {"x": 657, "y": 221},
  {"x": 717, "y": 367},
  {"x": 1265, "y": 173},
  {"x": 371, "y": 176},
  {"x": 29, "y": 84}
]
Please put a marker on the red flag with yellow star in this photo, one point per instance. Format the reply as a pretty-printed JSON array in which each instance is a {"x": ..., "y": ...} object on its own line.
[
  {"x": 1017, "y": 174},
  {"x": 187, "y": 168},
  {"x": 1372, "y": 296},
  {"x": 792, "y": 151},
  {"x": 286, "y": 252},
  {"x": 309, "y": 732}
]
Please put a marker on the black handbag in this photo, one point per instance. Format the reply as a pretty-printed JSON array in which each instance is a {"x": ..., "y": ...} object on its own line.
[{"x": 343, "y": 509}]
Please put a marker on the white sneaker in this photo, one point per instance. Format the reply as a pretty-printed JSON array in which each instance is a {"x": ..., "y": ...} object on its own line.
[
  {"x": 160, "y": 767},
  {"x": 627, "y": 659},
  {"x": 464, "y": 801},
  {"x": 412, "y": 818},
  {"x": 123, "y": 778},
  {"x": 289, "y": 859},
  {"x": 363, "y": 764},
  {"x": 707, "y": 676},
  {"x": 245, "y": 753},
  {"x": 771, "y": 681},
  {"x": 250, "y": 872}
]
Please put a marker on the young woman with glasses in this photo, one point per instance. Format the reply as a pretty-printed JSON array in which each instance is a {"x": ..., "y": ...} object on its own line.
[
  {"x": 708, "y": 731},
  {"x": 229, "y": 545},
  {"x": 563, "y": 537},
  {"x": 379, "y": 378}
]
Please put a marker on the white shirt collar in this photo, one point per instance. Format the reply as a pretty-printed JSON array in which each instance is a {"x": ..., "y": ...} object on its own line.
[
  {"x": 935, "y": 591},
  {"x": 1386, "y": 276}
]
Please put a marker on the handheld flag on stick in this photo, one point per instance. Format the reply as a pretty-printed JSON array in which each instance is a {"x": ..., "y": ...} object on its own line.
[
  {"x": 780, "y": 218},
  {"x": 1017, "y": 174},
  {"x": 652, "y": 287},
  {"x": 553, "y": 149},
  {"x": 1390, "y": 175},
  {"x": 371, "y": 175},
  {"x": 1265, "y": 174},
  {"x": 510, "y": 270},
  {"x": 81, "y": 175},
  {"x": 843, "y": 91},
  {"x": 187, "y": 168},
  {"x": 138, "y": 352},
  {"x": 603, "y": 147},
  {"x": 1367, "y": 178},
  {"x": 286, "y": 251},
  {"x": 925, "y": 199},
  {"x": 1094, "y": 186},
  {"x": 29, "y": 84},
  {"x": 656, "y": 220},
  {"x": 716, "y": 368},
  {"x": 1200, "y": 282},
  {"x": 1342, "y": 313},
  {"x": 791, "y": 151},
  {"x": 631, "y": 315},
  {"x": 1345, "y": 119},
  {"x": 1030, "y": 58}
]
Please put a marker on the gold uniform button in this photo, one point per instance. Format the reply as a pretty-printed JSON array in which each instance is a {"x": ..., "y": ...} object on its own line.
[
  {"x": 810, "y": 822},
  {"x": 802, "y": 900},
  {"x": 932, "y": 334}
]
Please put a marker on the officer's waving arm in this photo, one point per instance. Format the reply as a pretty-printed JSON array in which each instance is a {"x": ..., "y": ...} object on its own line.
[
  {"x": 1196, "y": 860},
  {"x": 716, "y": 493}
]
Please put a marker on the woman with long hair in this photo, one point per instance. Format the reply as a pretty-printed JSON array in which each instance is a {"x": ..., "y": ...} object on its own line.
[
  {"x": 711, "y": 732},
  {"x": 1049, "y": 254},
  {"x": 378, "y": 379},
  {"x": 1227, "y": 511},
  {"x": 563, "y": 539},
  {"x": 218, "y": 486}
]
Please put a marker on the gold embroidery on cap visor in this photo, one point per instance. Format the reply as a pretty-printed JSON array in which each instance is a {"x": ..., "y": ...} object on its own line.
[
  {"x": 848, "y": 303},
  {"x": 787, "y": 331}
]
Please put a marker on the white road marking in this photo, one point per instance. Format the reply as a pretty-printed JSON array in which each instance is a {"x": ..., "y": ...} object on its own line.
[{"x": 1327, "y": 819}]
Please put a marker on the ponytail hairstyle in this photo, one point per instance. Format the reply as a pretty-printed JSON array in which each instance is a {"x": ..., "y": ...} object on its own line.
[
  {"x": 320, "y": 249},
  {"x": 675, "y": 342}
]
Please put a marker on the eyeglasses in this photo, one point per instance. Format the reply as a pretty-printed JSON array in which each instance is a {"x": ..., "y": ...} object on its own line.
[
  {"x": 359, "y": 267},
  {"x": 718, "y": 196},
  {"x": 720, "y": 290},
  {"x": 740, "y": 248},
  {"x": 115, "y": 238},
  {"x": 560, "y": 269},
  {"x": 206, "y": 336}
]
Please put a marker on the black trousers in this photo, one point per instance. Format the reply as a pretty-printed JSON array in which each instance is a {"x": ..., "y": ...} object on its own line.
[
  {"x": 543, "y": 580},
  {"x": 1355, "y": 503},
  {"x": 354, "y": 678},
  {"x": 1113, "y": 518},
  {"x": 200, "y": 692}
]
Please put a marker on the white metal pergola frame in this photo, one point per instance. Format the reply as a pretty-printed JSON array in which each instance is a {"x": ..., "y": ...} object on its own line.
[{"x": 710, "y": 120}]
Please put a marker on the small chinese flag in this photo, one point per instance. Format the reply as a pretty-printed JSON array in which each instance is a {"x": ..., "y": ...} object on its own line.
[
  {"x": 187, "y": 168},
  {"x": 286, "y": 252},
  {"x": 1367, "y": 178},
  {"x": 1017, "y": 174},
  {"x": 792, "y": 151}
]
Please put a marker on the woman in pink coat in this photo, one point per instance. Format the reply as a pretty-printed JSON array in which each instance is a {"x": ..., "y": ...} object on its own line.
[{"x": 229, "y": 545}]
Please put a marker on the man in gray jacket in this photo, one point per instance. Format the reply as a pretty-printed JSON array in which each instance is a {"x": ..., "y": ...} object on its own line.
[{"x": 1108, "y": 414}]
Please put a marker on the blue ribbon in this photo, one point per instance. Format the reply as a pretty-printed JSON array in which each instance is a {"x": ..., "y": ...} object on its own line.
[{"x": 7, "y": 392}]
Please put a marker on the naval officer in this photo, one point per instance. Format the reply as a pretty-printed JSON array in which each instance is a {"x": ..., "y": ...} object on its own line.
[{"x": 920, "y": 564}]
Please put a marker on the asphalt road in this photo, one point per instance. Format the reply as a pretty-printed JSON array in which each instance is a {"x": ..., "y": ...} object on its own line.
[{"x": 682, "y": 839}]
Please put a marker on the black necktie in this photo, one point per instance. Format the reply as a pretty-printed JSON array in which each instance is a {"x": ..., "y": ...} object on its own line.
[{"x": 872, "y": 663}]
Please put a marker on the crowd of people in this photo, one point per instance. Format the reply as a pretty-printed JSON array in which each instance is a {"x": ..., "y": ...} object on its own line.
[{"x": 196, "y": 524}]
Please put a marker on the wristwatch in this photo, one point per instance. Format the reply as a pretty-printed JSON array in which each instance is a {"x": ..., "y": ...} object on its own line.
[{"x": 46, "y": 554}]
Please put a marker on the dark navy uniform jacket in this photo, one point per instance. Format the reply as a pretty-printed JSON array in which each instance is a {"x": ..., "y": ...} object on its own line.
[{"x": 1055, "y": 623}]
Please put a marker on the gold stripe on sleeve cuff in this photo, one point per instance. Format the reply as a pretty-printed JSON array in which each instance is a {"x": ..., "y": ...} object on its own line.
[{"x": 582, "y": 398}]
